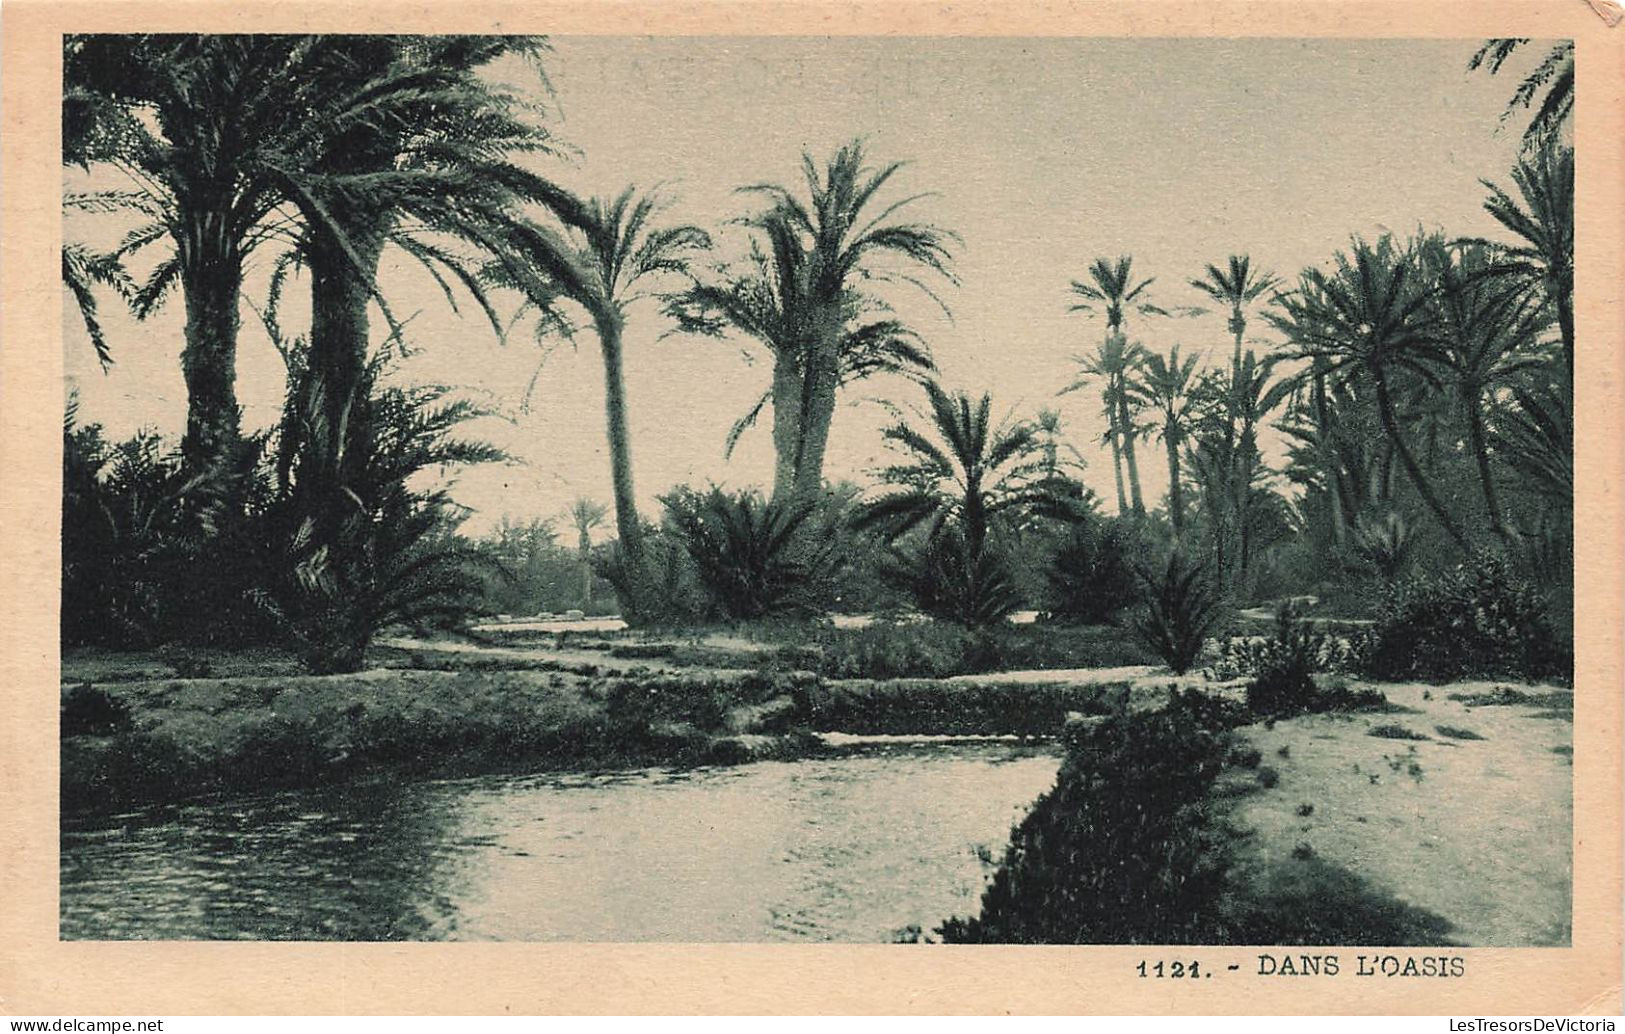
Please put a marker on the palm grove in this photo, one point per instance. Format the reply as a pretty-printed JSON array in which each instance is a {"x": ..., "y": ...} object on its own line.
[{"x": 1421, "y": 384}]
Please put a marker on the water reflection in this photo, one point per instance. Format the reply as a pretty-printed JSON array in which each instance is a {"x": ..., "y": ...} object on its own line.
[{"x": 845, "y": 849}]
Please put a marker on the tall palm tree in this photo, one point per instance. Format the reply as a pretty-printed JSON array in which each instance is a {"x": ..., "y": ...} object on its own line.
[
  {"x": 1112, "y": 363},
  {"x": 1370, "y": 318},
  {"x": 1544, "y": 222},
  {"x": 199, "y": 125},
  {"x": 1164, "y": 387},
  {"x": 586, "y": 515},
  {"x": 1487, "y": 337},
  {"x": 1237, "y": 286},
  {"x": 1553, "y": 77},
  {"x": 808, "y": 296},
  {"x": 609, "y": 255},
  {"x": 1112, "y": 293}
]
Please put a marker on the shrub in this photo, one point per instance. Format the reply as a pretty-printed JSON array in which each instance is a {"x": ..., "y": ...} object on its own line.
[
  {"x": 1181, "y": 609},
  {"x": 1283, "y": 666},
  {"x": 1477, "y": 620},
  {"x": 1091, "y": 577},
  {"x": 1122, "y": 850},
  {"x": 954, "y": 582},
  {"x": 90, "y": 711},
  {"x": 749, "y": 554}
]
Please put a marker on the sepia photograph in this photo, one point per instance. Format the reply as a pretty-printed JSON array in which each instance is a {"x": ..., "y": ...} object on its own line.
[{"x": 874, "y": 489}]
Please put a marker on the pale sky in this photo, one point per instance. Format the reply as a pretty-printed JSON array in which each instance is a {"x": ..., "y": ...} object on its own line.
[{"x": 1042, "y": 155}]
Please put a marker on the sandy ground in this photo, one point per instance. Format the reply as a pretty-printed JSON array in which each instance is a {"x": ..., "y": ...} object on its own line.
[{"x": 1477, "y": 832}]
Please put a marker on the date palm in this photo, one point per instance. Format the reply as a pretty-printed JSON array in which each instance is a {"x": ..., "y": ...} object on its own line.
[
  {"x": 1488, "y": 335},
  {"x": 1236, "y": 287},
  {"x": 1112, "y": 293},
  {"x": 586, "y": 515},
  {"x": 1112, "y": 363},
  {"x": 1552, "y": 81},
  {"x": 1543, "y": 222},
  {"x": 1370, "y": 318},
  {"x": 1164, "y": 387},
  {"x": 808, "y": 294},
  {"x": 607, "y": 255}
]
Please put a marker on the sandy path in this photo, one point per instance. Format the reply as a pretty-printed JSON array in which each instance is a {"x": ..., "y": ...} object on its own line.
[{"x": 1477, "y": 831}]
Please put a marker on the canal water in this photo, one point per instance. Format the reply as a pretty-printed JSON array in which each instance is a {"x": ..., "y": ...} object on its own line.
[{"x": 854, "y": 848}]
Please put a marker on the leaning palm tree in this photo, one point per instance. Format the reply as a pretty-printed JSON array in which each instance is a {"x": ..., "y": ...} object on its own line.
[
  {"x": 1112, "y": 293},
  {"x": 1237, "y": 286},
  {"x": 1164, "y": 387},
  {"x": 1370, "y": 319},
  {"x": 808, "y": 295},
  {"x": 586, "y": 515},
  {"x": 610, "y": 254},
  {"x": 1544, "y": 223},
  {"x": 1488, "y": 336},
  {"x": 1553, "y": 77}
]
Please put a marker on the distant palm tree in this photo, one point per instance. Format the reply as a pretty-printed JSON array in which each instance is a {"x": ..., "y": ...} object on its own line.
[
  {"x": 1369, "y": 318},
  {"x": 1237, "y": 287},
  {"x": 1111, "y": 293},
  {"x": 1164, "y": 387},
  {"x": 1113, "y": 361},
  {"x": 807, "y": 295},
  {"x": 1544, "y": 222},
  {"x": 609, "y": 255},
  {"x": 586, "y": 515},
  {"x": 1554, "y": 77}
]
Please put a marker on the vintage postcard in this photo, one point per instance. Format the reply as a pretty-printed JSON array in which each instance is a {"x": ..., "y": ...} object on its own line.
[{"x": 812, "y": 507}]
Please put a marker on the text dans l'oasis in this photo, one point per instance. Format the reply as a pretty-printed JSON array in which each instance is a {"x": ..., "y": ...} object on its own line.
[{"x": 1303, "y": 965}]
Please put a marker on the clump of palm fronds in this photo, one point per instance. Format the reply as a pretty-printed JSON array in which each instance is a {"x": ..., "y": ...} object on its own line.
[
  {"x": 363, "y": 547},
  {"x": 1092, "y": 576},
  {"x": 752, "y": 555},
  {"x": 1181, "y": 609}
]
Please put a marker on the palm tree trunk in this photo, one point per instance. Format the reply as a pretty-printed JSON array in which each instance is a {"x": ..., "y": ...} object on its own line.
[
  {"x": 1127, "y": 430},
  {"x": 1390, "y": 423},
  {"x": 1328, "y": 459},
  {"x": 1117, "y": 462},
  {"x": 1475, "y": 433},
  {"x": 627, "y": 526},
  {"x": 786, "y": 421},
  {"x": 584, "y": 553},
  {"x": 818, "y": 414},
  {"x": 340, "y": 339},
  {"x": 1176, "y": 502},
  {"x": 212, "y": 277}
]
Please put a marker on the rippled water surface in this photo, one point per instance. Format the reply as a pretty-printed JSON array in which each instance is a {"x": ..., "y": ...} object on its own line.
[{"x": 833, "y": 849}]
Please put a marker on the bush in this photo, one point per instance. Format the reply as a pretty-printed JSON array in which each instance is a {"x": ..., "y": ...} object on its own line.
[
  {"x": 951, "y": 581},
  {"x": 1283, "y": 666},
  {"x": 1181, "y": 609},
  {"x": 1091, "y": 577},
  {"x": 751, "y": 555},
  {"x": 90, "y": 711},
  {"x": 1477, "y": 620},
  {"x": 1123, "y": 849}
]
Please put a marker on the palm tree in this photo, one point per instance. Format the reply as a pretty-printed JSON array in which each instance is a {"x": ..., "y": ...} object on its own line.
[
  {"x": 1164, "y": 387},
  {"x": 608, "y": 258},
  {"x": 1544, "y": 222},
  {"x": 967, "y": 471},
  {"x": 586, "y": 515},
  {"x": 960, "y": 480},
  {"x": 801, "y": 297},
  {"x": 1111, "y": 293},
  {"x": 1370, "y": 318},
  {"x": 1486, "y": 331},
  {"x": 200, "y": 126},
  {"x": 1554, "y": 75},
  {"x": 1112, "y": 362},
  {"x": 1237, "y": 287}
]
